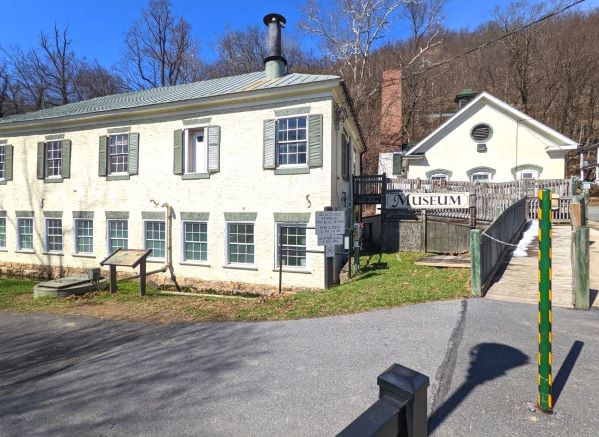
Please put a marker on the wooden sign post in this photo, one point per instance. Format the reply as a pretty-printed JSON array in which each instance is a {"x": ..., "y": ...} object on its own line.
[{"x": 128, "y": 258}]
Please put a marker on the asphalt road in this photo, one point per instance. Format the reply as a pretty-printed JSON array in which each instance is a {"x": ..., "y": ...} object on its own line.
[
  {"x": 81, "y": 376},
  {"x": 594, "y": 213}
]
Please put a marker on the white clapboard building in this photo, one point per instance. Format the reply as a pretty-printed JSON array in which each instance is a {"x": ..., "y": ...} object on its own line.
[
  {"x": 233, "y": 159},
  {"x": 486, "y": 140}
]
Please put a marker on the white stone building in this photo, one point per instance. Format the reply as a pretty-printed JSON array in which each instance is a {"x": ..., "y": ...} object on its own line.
[
  {"x": 234, "y": 158},
  {"x": 486, "y": 140}
]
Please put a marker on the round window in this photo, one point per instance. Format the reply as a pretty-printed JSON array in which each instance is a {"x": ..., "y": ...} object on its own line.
[{"x": 481, "y": 133}]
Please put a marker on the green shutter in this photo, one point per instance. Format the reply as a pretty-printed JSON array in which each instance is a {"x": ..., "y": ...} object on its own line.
[
  {"x": 315, "y": 140},
  {"x": 133, "y": 153},
  {"x": 40, "y": 160},
  {"x": 8, "y": 162},
  {"x": 178, "y": 152},
  {"x": 66, "y": 159},
  {"x": 344, "y": 160},
  {"x": 397, "y": 163},
  {"x": 213, "y": 149},
  {"x": 102, "y": 155},
  {"x": 269, "y": 159}
]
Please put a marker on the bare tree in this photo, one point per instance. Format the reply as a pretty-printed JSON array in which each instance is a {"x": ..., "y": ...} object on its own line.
[
  {"x": 59, "y": 65},
  {"x": 95, "y": 81},
  {"x": 159, "y": 49},
  {"x": 243, "y": 51}
]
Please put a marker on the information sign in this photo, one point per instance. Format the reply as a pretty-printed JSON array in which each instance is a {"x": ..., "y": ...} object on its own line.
[
  {"x": 428, "y": 200},
  {"x": 330, "y": 222}
]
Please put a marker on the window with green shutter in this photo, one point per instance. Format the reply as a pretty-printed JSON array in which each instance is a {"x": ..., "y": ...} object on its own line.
[
  {"x": 54, "y": 160},
  {"x": 196, "y": 152},
  {"x": 293, "y": 144}
]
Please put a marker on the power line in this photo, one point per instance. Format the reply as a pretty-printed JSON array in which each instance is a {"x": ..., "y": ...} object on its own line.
[{"x": 472, "y": 50}]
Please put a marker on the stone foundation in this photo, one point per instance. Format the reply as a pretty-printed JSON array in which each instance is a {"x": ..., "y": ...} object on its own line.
[{"x": 161, "y": 280}]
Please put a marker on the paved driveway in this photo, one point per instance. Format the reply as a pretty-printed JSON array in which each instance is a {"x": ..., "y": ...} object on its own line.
[{"x": 81, "y": 376}]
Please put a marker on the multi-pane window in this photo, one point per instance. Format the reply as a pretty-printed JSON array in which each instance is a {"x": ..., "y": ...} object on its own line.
[
  {"x": 292, "y": 144},
  {"x": 241, "y": 243},
  {"x": 54, "y": 235},
  {"x": 25, "y": 233},
  {"x": 480, "y": 177},
  {"x": 2, "y": 160},
  {"x": 293, "y": 240},
  {"x": 155, "y": 237},
  {"x": 118, "y": 235},
  {"x": 53, "y": 158},
  {"x": 118, "y": 153},
  {"x": 195, "y": 241},
  {"x": 84, "y": 236},
  {"x": 3, "y": 232}
]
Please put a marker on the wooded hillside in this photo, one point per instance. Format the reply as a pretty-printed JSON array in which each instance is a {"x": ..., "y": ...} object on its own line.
[{"x": 549, "y": 70}]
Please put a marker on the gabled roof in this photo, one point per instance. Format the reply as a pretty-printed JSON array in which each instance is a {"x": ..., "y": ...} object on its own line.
[
  {"x": 484, "y": 98},
  {"x": 170, "y": 94}
]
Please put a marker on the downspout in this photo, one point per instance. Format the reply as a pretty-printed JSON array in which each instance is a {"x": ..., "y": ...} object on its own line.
[{"x": 169, "y": 244}]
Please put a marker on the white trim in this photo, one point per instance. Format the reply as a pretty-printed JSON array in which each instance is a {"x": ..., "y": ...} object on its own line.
[
  {"x": 19, "y": 247},
  {"x": 3, "y": 248},
  {"x": 108, "y": 232},
  {"x": 238, "y": 265},
  {"x": 143, "y": 238},
  {"x": 480, "y": 173},
  {"x": 75, "y": 252},
  {"x": 276, "y": 258},
  {"x": 46, "y": 248},
  {"x": 192, "y": 262},
  {"x": 519, "y": 116},
  {"x": 304, "y": 165}
]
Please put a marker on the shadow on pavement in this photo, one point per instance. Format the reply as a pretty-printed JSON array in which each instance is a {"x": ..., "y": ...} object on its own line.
[
  {"x": 564, "y": 371},
  {"x": 487, "y": 362}
]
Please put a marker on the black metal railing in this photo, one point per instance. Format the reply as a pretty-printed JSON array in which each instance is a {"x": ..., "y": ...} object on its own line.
[{"x": 400, "y": 410}]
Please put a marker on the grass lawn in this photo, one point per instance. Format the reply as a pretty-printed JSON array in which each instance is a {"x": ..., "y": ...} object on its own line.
[{"x": 393, "y": 280}]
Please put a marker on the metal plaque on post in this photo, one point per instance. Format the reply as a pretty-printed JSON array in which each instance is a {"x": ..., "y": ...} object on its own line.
[
  {"x": 127, "y": 258},
  {"x": 329, "y": 251},
  {"x": 333, "y": 239},
  {"x": 330, "y": 222}
]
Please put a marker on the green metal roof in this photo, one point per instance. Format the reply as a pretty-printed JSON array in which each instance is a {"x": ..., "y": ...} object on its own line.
[{"x": 170, "y": 94}]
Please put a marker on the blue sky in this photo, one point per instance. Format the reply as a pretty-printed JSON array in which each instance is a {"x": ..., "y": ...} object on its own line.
[{"x": 97, "y": 27}]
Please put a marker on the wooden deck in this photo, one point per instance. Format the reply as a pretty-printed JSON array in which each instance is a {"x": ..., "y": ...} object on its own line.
[{"x": 516, "y": 281}]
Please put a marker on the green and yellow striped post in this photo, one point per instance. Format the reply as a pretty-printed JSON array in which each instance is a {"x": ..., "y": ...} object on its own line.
[{"x": 545, "y": 402}]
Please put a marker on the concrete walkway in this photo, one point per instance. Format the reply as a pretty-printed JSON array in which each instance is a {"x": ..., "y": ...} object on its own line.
[{"x": 81, "y": 376}]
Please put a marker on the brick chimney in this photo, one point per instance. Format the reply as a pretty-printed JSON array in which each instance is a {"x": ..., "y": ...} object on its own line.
[{"x": 391, "y": 117}]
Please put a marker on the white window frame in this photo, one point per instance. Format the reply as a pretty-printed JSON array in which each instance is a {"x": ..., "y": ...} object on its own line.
[
  {"x": 47, "y": 235},
  {"x": 75, "y": 236},
  {"x": 227, "y": 253},
  {"x": 535, "y": 174},
  {"x": 19, "y": 235},
  {"x": 439, "y": 176},
  {"x": 480, "y": 173},
  {"x": 2, "y": 162},
  {"x": 277, "y": 160},
  {"x": 184, "y": 241},
  {"x": 47, "y": 159},
  {"x": 186, "y": 144},
  {"x": 108, "y": 156},
  {"x": 3, "y": 225},
  {"x": 108, "y": 250},
  {"x": 286, "y": 267},
  {"x": 145, "y": 242}
]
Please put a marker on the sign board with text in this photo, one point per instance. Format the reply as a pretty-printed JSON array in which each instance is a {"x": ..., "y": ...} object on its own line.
[
  {"x": 332, "y": 239},
  {"x": 330, "y": 222},
  {"x": 329, "y": 251},
  {"x": 427, "y": 200}
]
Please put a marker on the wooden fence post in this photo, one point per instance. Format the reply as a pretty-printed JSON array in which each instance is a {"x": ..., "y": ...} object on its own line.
[
  {"x": 475, "y": 279},
  {"x": 580, "y": 264}
]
